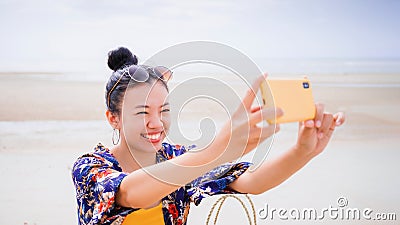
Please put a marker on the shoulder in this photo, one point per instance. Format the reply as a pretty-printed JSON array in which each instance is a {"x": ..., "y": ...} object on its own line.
[
  {"x": 169, "y": 151},
  {"x": 99, "y": 158}
]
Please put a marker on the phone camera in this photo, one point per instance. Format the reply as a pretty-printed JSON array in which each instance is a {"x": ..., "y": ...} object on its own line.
[{"x": 306, "y": 85}]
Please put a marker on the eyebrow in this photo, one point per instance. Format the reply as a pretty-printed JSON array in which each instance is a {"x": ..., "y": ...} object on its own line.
[{"x": 146, "y": 106}]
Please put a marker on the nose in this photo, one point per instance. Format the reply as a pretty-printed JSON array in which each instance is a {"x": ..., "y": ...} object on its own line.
[{"x": 155, "y": 122}]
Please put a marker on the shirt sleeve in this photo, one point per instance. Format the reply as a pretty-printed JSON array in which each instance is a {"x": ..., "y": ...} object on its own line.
[
  {"x": 96, "y": 183},
  {"x": 216, "y": 181}
]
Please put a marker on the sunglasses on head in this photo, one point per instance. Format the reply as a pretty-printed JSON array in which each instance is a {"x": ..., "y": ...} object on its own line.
[{"x": 141, "y": 74}]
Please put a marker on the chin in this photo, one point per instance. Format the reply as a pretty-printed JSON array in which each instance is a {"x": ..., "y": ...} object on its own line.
[{"x": 152, "y": 147}]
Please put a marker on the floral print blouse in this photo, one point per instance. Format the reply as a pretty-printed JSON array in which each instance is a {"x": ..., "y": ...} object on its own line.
[{"x": 97, "y": 176}]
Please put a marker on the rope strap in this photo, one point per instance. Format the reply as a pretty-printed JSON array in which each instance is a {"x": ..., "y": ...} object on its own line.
[{"x": 221, "y": 201}]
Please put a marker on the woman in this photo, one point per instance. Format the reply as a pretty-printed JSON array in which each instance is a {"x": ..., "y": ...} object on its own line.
[{"x": 143, "y": 180}]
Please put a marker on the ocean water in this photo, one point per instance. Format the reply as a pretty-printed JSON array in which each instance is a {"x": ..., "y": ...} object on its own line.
[
  {"x": 97, "y": 70},
  {"x": 332, "y": 66}
]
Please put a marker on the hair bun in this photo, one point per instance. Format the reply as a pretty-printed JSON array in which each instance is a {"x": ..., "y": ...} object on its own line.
[{"x": 120, "y": 57}]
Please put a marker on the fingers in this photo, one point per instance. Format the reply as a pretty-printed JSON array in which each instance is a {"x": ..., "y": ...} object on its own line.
[
  {"x": 307, "y": 124},
  {"x": 339, "y": 118},
  {"x": 259, "y": 134},
  {"x": 317, "y": 121},
  {"x": 319, "y": 114},
  {"x": 268, "y": 113},
  {"x": 255, "y": 109},
  {"x": 326, "y": 125},
  {"x": 251, "y": 93}
]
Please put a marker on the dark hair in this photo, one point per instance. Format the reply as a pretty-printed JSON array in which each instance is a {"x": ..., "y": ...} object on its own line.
[{"x": 118, "y": 59}]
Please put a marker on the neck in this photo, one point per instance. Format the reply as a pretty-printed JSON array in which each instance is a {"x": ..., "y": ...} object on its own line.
[{"x": 131, "y": 160}]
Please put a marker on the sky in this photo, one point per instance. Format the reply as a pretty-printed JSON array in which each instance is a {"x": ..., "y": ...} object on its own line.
[{"x": 71, "y": 33}]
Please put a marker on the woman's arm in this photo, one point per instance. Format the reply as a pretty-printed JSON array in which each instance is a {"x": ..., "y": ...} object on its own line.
[
  {"x": 144, "y": 187},
  {"x": 314, "y": 135},
  {"x": 270, "y": 173}
]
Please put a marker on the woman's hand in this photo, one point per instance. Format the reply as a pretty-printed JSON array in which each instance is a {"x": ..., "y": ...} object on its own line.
[
  {"x": 315, "y": 134},
  {"x": 241, "y": 134}
]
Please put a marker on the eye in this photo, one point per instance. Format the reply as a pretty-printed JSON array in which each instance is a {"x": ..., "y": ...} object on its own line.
[
  {"x": 165, "y": 110},
  {"x": 142, "y": 113}
]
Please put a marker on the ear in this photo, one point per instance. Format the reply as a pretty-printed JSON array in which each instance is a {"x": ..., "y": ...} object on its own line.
[{"x": 113, "y": 119}]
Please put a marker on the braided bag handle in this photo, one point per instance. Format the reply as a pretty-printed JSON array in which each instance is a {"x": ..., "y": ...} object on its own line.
[{"x": 221, "y": 201}]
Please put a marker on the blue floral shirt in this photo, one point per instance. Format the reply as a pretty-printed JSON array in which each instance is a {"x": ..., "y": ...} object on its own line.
[{"x": 97, "y": 177}]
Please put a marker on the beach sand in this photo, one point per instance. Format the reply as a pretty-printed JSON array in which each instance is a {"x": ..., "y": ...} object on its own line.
[{"x": 45, "y": 124}]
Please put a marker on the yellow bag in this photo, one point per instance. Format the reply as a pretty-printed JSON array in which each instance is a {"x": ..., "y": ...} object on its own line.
[
  {"x": 152, "y": 216},
  {"x": 221, "y": 201}
]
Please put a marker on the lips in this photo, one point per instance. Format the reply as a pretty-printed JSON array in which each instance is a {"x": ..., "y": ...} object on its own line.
[{"x": 153, "y": 137}]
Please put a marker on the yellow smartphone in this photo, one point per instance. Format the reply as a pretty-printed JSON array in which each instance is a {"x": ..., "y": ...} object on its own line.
[{"x": 293, "y": 96}]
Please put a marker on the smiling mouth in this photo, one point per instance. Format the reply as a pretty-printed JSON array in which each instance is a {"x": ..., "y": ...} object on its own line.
[{"x": 154, "y": 137}]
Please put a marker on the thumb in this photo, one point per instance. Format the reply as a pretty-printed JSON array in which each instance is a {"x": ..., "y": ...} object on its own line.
[
  {"x": 306, "y": 124},
  {"x": 306, "y": 128}
]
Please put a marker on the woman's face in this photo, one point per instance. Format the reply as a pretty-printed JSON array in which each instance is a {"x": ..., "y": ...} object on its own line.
[{"x": 145, "y": 117}]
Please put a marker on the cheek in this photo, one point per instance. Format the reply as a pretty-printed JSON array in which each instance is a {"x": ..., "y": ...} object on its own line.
[
  {"x": 132, "y": 125},
  {"x": 166, "y": 119}
]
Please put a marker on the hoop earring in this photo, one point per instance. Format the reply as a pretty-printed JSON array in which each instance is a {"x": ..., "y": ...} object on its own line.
[{"x": 115, "y": 134}]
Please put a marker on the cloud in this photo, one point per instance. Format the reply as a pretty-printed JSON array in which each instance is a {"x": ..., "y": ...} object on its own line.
[{"x": 49, "y": 31}]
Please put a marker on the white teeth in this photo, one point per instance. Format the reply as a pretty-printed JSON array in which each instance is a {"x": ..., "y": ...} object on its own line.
[{"x": 152, "y": 136}]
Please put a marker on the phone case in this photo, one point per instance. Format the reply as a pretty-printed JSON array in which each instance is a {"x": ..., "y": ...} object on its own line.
[{"x": 293, "y": 96}]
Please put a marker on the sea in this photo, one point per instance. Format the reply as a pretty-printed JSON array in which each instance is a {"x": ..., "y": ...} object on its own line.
[{"x": 97, "y": 70}]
